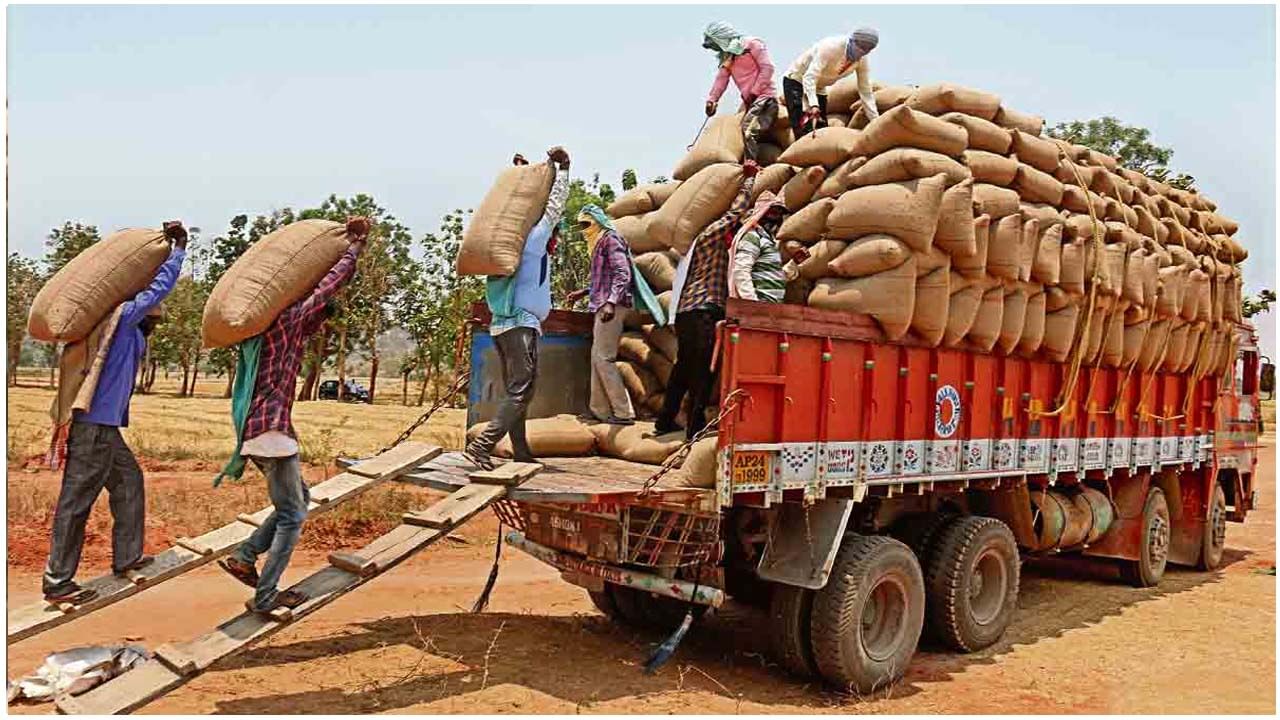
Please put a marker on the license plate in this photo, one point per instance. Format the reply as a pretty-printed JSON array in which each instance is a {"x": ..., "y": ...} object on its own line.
[{"x": 751, "y": 467}]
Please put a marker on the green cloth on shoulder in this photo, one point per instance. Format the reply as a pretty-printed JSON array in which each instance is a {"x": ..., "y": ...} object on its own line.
[{"x": 241, "y": 398}]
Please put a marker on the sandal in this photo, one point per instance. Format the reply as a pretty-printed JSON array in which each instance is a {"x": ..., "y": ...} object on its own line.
[
  {"x": 138, "y": 564},
  {"x": 240, "y": 570},
  {"x": 75, "y": 595},
  {"x": 288, "y": 599}
]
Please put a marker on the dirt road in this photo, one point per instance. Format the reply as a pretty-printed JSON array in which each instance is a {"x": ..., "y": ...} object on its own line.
[{"x": 1082, "y": 642}]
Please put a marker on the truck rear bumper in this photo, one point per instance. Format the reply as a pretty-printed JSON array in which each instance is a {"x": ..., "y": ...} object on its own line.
[{"x": 656, "y": 584}]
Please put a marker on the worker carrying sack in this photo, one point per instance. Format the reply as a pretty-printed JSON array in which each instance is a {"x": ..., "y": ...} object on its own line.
[
  {"x": 494, "y": 239},
  {"x": 85, "y": 291}
]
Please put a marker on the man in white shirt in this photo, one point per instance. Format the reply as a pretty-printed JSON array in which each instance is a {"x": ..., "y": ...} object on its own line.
[{"x": 805, "y": 85}]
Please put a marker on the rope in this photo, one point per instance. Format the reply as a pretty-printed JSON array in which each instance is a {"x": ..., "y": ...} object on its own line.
[{"x": 482, "y": 602}]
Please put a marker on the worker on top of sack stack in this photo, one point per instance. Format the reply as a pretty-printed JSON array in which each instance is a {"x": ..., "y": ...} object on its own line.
[
  {"x": 268, "y": 437},
  {"x": 609, "y": 297},
  {"x": 519, "y": 303},
  {"x": 756, "y": 269},
  {"x": 805, "y": 85},
  {"x": 698, "y": 297},
  {"x": 95, "y": 384},
  {"x": 746, "y": 60}
]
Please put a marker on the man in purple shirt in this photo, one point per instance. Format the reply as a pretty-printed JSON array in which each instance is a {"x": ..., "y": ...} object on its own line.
[{"x": 97, "y": 456}]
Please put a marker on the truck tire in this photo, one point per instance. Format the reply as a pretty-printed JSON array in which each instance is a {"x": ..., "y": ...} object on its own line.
[
  {"x": 971, "y": 583},
  {"x": 603, "y": 600},
  {"x": 745, "y": 587},
  {"x": 648, "y": 611},
  {"x": 1215, "y": 531},
  {"x": 866, "y": 622},
  {"x": 1153, "y": 550},
  {"x": 790, "y": 616},
  {"x": 919, "y": 531}
]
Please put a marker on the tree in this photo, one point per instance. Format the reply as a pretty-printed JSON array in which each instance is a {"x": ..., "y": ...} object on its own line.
[
  {"x": 628, "y": 179},
  {"x": 571, "y": 263},
  {"x": 24, "y": 281},
  {"x": 66, "y": 242},
  {"x": 1257, "y": 304},
  {"x": 1131, "y": 145},
  {"x": 177, "y": 339}
]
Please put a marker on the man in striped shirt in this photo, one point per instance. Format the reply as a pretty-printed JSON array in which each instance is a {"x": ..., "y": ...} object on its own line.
[{"x": 756, "y": 271}]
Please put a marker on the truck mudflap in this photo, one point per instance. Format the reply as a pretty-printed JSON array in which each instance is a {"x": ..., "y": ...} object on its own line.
[
  {"x": 573, "y": 566},
  {"x": 803, "y": 542}
]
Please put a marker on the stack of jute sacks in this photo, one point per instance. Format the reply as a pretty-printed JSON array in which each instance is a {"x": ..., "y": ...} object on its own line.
[{"x": 953, "y": 222}]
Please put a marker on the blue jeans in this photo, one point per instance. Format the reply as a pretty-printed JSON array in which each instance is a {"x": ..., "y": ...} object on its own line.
[{"x": 279, "y": 534}]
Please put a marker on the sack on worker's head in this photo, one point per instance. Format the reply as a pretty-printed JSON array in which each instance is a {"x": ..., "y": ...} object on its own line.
[
  {"x": 904, "y": 127},
  {"x": 908, "y": 210},
  {"x": 868, "y": 255},
  {"x": 720, "y": 142},
  {"x": 635, "y": 443},
  {"x": 983, "y": 134},
  {"x": 888, "y": 296},
  {"x": 89, "y": 287},
  {"x": 809, "y": 224},
  {"x": 827, "y": 147},
  {"x": 558, "y": 436},
  {"x": 275, "y": 272},
  {"x": 658, "y": 269},
  {"x": 799, "y": 190},
  {"x": 494, "y": 239},
  {"x": 641, "y": 199},
  {"x": 933, "y": 294},
  {"x": 907, "y": 163},
  {"x": 699, "y": 466},
  {"x": 1027, "y": 123},
  {"x": 943, "y": 98},
  {"x": 695, "y": 204}
]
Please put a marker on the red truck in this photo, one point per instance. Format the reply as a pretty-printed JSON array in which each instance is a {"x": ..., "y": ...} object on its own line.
[{"x": 869, "y": 491}]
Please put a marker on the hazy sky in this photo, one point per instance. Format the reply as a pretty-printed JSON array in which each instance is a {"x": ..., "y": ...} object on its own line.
[{"x": 124, "y": 116}]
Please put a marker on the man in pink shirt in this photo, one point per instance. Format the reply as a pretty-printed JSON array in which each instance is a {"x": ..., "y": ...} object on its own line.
[{"x": 746, "y": 60}]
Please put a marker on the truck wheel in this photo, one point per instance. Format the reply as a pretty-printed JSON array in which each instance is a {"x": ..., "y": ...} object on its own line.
[
  {"x": 1153, "y": 553},
  {"x": 652, "y": 612},
  {"x": 790, "y": 615},
  {"x": 745, "y": 587},
  {"x": 603, "y": 600},
  {"x": 867, "y": 620},
  {"x": 919, "y": 532},
  {"x": 1215, "y": 531},
  {"x": 971, "y": 582}
]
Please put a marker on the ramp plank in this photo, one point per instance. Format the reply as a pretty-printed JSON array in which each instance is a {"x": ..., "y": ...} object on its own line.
[
  {"x": 456, "y": 507},
  {"x": 396, "y": 460}
]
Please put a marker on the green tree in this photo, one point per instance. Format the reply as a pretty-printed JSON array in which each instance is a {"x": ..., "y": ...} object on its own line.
[
  {"x": 1256, "y": 304},
  {"x": 628, "y": 179},
  {"x": 23, "y": 282},
  {"x": 571, "y": 264},
  {"x": 1129, "y": 144},
  {"x": 66, "y": 242},
  {"x": 176, "y": 341}
]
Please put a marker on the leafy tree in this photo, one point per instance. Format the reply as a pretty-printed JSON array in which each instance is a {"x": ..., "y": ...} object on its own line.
[
  {"x": 571, "y": 264},
  {"x": 177, "y": 340},
  {"x": 1256, "y": 304},
  {"x": 628, "y": 179},
  {"x": 23, "y": 282},
  {"x": 66, "y": 242},
  {"x": 1129, "y": 144}
]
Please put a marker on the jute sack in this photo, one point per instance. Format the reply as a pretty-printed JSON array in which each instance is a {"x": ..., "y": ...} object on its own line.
[
  {"x": 987, "y": 323},
  {"x": 1082, "y": 227},
  {"x": 1135, "y": 336},
  {"x": 1055, "y": 298},
  {"x": 1075, "y": 174},
  {"x": 559, "y": 436},
  {"x": 1037, "y": 186},
  {"x": 1046, "y": 214},
  {"x": 1196, "y": 306},
  {"x": 868, "y": 255},
  {"x": 983, "y": 134},
  {"x": 772, "y": 179},
  {"x": 1228, "y": 226},
  {"x": 904, "y": 127},
  {"x": 889, "y": 297},
  {"x": 827, "y": 147},
  {"x": 699, "y": 466},
  {"x": 797, "y": 292},
  {"x": 1113, "y": 343},
  {"x": 1012, "y": 319},
  {"x": 632, "y": 346},
  {"x": 1176, "y": 235},
  {"x": 494, "y": 239},
  {"x": 887, "y": 98},
  {"x": 1177, "y": 346},
  {"x": 635, "y": 229},
  {"x": 820, "y": 256},
  {"x": 658, "y": 269},
  {"x": 838, "y": 120},
  {"x": 720, "y": 142},
  {"x": 994, "y": 200},
  {"x": 974, "y": 265},
  {"x": 962, "y": 310},
  {"x": 1035, "y": 151},
  {"x": 1131, "y": 289},
  {"x": 1031, "y": 124},
  {"x": 942, "y": 98},
  {"x": 1154, "y": 345},
  {"x": 88, "y": 289},
  {"x": 1032, "y": 326},
  {"x": 280, "y": 269},
  {"x": 1102, "y": 160},
  {"x": 799, "y": 190},
  {"x": 1173, "y": 289},
  {"x": 768, "y": 154},
  {"x": 907, "y": 163},
  {"x": 927, "y": 262},
  {"x": 1028, "y": 243},
  {"x": 1111, "y": 270},
  {"x": 988, "y": 167},
  {"x": 808, "y": 225},
  {"x": 695, "y": 204},
  {"x": 906, "y": 210},
  {"x": 662, "y": 339},
  {"x": 1136, "y": 179},
  {"x": 1059, "y": 330},
  {"x": 660, "y": 366},
  {"x": 639, "y": 381},
  {"x": 955, "y": 231},
  {"x": 642, "y": 199},
  {"x": 1148, "y": 224},
  {"x": 1003, "y": 248},
  {"x": 840, "y": 179},
  {"x": 933, "y": 293},
  {"x": 1047, "y": 267},
  {"x": 1080, "y": 201},
  {"x": 635, "y": 443},
  {"x": 1097, "y": 333}
]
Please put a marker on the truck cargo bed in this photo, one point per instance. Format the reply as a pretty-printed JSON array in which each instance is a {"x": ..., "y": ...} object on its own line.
[{"x": 577, "y": 480}]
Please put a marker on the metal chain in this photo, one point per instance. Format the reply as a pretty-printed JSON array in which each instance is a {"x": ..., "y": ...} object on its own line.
[
  {"x": 677, "y": 458},
  {"x": 459, "y": 381}
]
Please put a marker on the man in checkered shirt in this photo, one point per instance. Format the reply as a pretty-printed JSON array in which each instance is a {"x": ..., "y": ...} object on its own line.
[{"x": 269, "y": 437}]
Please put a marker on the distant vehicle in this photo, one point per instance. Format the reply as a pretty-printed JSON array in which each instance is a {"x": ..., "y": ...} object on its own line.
[{"x": 354, "y": 392}]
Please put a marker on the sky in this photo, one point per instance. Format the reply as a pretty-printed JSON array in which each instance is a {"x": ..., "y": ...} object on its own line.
[{"x": 126, "y": 116}]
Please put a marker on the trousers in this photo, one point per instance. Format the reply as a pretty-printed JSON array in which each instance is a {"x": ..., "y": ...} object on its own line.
[
  {"x": 278, "y": 535},
  {"x": 695, "y": 338},
  {"x": 518, "y": 350}
]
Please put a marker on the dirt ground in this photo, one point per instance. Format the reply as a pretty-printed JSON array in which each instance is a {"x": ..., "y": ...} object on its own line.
[{"x": 1082, "y": 642}]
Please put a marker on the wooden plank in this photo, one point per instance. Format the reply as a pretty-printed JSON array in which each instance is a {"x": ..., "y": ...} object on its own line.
[
  {"x": 507, "y": 474},
  {"x": 396, "y": 460},
  {"x": 176, "y": 659},
  {"x": 456, "y": 508},
  {"x": 353, "y": 563},
  {"x": 191, "y": 553}
]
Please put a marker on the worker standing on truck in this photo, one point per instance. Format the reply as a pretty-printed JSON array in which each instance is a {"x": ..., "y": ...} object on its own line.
[
  {"x": 805, "y": 85},
  {"x": 87, "y": 434},
  {"x": 746, "y": 60},
  {"x": 698, "y": 296},
  {"x": 756, "y": 270},
  {"x": 519, "y": 303},
  {"x": 608, "y": 298},
  {"x": 268, "y": 437}
]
